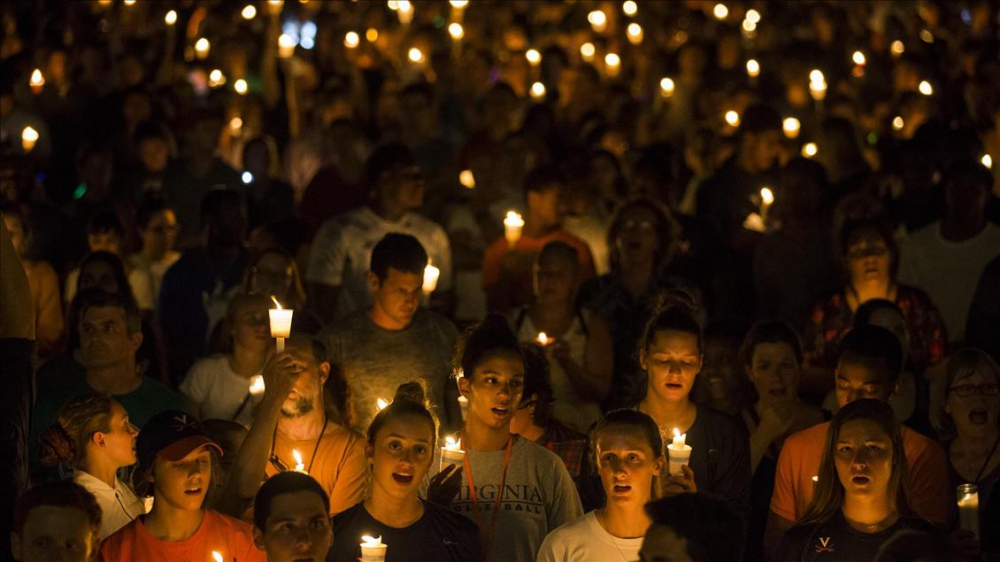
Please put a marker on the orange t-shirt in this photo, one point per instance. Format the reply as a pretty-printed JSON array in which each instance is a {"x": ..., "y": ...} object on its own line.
[
  {"x": 513, "y": 278},
  {"x": 800, "y": 458},
  {"x": 339, "y": 467},
  {"x": 231, "y": 538}
]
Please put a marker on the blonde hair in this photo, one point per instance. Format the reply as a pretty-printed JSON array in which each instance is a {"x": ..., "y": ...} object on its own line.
[{"x": 78, "y": 421}]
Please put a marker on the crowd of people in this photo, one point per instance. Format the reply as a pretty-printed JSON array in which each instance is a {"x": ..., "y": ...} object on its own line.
[{"x": 593, "y": 280}]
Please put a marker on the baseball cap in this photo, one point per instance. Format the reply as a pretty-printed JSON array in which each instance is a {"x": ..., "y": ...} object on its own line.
[{"x": 171, "y": 435}]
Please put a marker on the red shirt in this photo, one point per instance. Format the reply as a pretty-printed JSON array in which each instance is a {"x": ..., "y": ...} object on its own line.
[
  {"x": 508, "y": 273},
  {"x": 231, "y": 538}
]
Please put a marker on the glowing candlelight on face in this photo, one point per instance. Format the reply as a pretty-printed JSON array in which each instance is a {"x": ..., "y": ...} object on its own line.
[
  {"x": 587, "y": 51},
  {"x": 249, "y": 12},
  {"x": 720, "y": 11},
  {"x": 667, "y": 87},
  {"x": 533, "y": 56},
  {"x": 299, "y": 465},
  {"x": 380, "y": 404},
  {"x": 987, "y": 161},
  {"x": 217, "y": 557},
  {"x": 467, "y": 180},
  {"x": 37, "y": 81},
  {"x": 753, "y": 68},
  {"x": 598, "y": 21},
  {"x": 256, "y": 385},
  {"x": 630, "y": 8},
  {"x": 925, "y": 88},
  {"x": 897, "y": 48},
  {"x": 732, "y": 118},
  {"x": 791, "y": 127},
  {"x": 537, "y": 91},
  {"x": 968, "y": 508},
  {"x": 216, "y": 78},
  {"x": 170, "y": 18},
  {"x": 613, "y": 63},
  {"x": 372, "y": 549},
  {"x": 512, "y": 226},
  {"x": 351, "y": 40},
  {"x": 415, "y": 55},
  {"x": 431, "y": 275},
  {"x": 456, "y": 31},
  {"x": 286, "y": 46},
  {"x": 241, "y": 87},
  {"x": 201, "y": 48},
  {"x": 451, "y": 453},
  {"x": 29, "y": 136},
  {"x": 809, "y": 149},
  {"x": 281, "y": 323},
  {"x": 634, "y": 32}
]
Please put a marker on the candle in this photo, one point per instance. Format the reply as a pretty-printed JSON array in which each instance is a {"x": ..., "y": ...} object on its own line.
[
  {"x": 667, "y": 87},
  {"x": 612, "y": 63},
  {"x": 753, "y": 70},
  {"x": 463, "y": 405},
  {"x": 467, "y": 180},
  {"x": 170, "y": 18},
  {"x": 543, "y": 339},
  {"x": 352, "y": 39},
  {"x": 202, "y": 47},
  {"x": 431, "y": 275},
  {"x": 256, "y": 385},
  {"x": 897, "y": 48},
  {"x": 274, "y": 6},
  {"x": 533, "y": 56},
  {"x": 29, "y": 137},
  {"x": 216, "y": 78},
  {"x": 791, "y": 127},
  {"x": 451, "y": 453},
  {"x": 679, "y": 452},
  {"x": 415, "y": 55},
  {"x": 587, "y": 51},
  {"x": 512, "y": 226},
  {"x": 372, "y": 549},
  {"x": 37, "y": 81},
  {"x": 598, "y": 21},
  {"x": 286, "y": 46},
  {"x": 235, "y": 124},
  {"x": 766, "y": 200},
  {"x": 987, "y": 161},
  {"x": 732, "y": 118},
  {"x": 249, "y": 12},
  {"x": 458, "y": 4},
  {"x": 720, "y": 11},
  {"x": 630, "y": 8},
  {"x": 217, "y": 556},
  {"x": 380, "y": 404},
  {"x": 926, "y": 88},
  {"x": 817, "y": 85},
  {"x": 537, "y": 94},
  {"x": 634, "y": 33},
  {"x": 456, "y": 31},
  {"x": 281, "y": 323},
  {"x": 299, "y": 465},
  {"x": 898, "y": 123},
  {"x": 968, "y": 508},
  {"x": 405, "y": 11}
]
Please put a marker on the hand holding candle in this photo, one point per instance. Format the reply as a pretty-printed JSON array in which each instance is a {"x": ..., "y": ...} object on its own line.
[
  {"x": 968, "y": 508},
  {"x": 372, "y": 549},
  {"x": 281, "y": 323},
  {"x": 512, "y": 226},
  {"x": 451, "y": 453},
  {"x": 679, "y": 452}
]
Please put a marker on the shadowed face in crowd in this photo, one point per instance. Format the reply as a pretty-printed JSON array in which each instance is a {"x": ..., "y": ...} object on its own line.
[
  {"x": 298, "y": 528},
  {"x": 55, "y": 534},
  {"x": 863, "y": 458},
  {"x": 868, "y": 258},
  {"x": 774, "y": 371},
  {"x": 672, "y": 360},
  {"x": 161, "y": 233},
  {"x": 105, "y": 340},
  {"x": 637, "y": 239},
  {"x": 555, "y": 279},
  {"x": 863, "y": 377}
]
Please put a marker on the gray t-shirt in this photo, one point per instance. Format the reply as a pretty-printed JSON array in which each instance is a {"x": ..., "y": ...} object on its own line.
[
  {"x": 375, "y": 361},
  {"x": 539, "y": 496}
]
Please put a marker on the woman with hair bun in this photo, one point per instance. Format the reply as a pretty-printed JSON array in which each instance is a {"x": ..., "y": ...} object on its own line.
[
  {"x": 514, "y": 489},
  {"x": 671, "y": 354},
  {"x": 95, "y": 437},
  {"x": 402, "y": 440}
]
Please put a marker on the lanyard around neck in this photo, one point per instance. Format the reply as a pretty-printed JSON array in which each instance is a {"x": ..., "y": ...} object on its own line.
[{"x": 474, "y": 494}]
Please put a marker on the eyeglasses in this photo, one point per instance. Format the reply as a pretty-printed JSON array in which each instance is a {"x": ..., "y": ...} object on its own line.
[{"x": 967, "y": 390}]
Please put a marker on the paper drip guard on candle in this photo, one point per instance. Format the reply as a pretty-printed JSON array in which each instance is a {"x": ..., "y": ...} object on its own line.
[
  {"x": 451, "y": 453},
  {"x": 373, "y": 549},
  {"x": 678, "y": 453},
  {"x": 968, "y": 508},
  {"x": 281, "y": 323}
]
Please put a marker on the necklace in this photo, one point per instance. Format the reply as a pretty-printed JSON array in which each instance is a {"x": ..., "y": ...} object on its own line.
[
  {"x": 599, "y": 515},
  {"x": 870, "y": 528}
]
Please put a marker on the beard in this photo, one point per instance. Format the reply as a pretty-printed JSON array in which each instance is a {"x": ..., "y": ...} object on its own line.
[{"x": 300, "y": 407}]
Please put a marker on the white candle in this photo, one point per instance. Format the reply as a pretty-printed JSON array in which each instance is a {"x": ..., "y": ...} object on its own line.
[
  {"x": 286, "y": 46},
  {"x": 678, "y": 453},
  {"x": 299, "y": 465},
  {"x": 543, "y": 339},
  {"x": 817, "y": 85},
  {"x": 37, "y": 81},
  {"x": 512, "y": 226},
  {"x": 29, "y": 137},
  {"x": 431, "y": 275},
  {"x": 534, "y": 57},
  {"x": 537, "y": 91},
  {"x": 372, "y": 549},
  {"x": 467, "y": 179},
  {"x": 753, "y": 70},
  {"x": 968, "y": 508},
  {"x": 256, "y": 385},
  {"x": 170, "y": 18},
  {"x": 241, "y": 87},
  {"x": 281, "y": 323},
  {"x": 587, "y": 51},
  {"x": 451, "y": 453},
  {"x": 792, "y": 126},
  {"x": 634, "y": 33},
  {"x": 766, "y": 200},
  {"x": 598, "y": 21},
  {"x": 202, "y": 47}
]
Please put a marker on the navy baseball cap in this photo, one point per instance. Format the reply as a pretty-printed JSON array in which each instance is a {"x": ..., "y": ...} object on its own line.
[{"x": 171, "y": 435}]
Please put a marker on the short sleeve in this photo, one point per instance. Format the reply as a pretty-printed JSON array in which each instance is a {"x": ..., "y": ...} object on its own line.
[
  {"x": 327, "y": 255},
  {"x": 783, "y": 498},
  {"x": 565, "y": 506},
  {"x": 350, "y": 485},
  {"x": 197, "y": 383},
  {"x": 929, "y": 483}
]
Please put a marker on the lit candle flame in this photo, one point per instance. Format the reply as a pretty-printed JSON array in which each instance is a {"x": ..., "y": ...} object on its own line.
[
  {"x": 256, "y": 385},
  {"x": 533, "y": 56},
  {"x": 720, "y": 11},
  {"x": 371, "y": 542},
  {"x": 452, "y": 444},
  {"x": 667, "y": 87},
  {"x": 201, "y": 47},
  {"x": 381, "y": 404},
  {"x": 543, "y": 339},
  {"x": 249, "y": 12},
  {"x": 352, "y": 39},
  {"x": 456, "y": 30},
  {"x": 791, "y": 126},
  {"x": 732, "y": 118},
  {"x": 766, "y": 195},
  {"x": 753, "y": 68},
  {"x": 859, "y": 58},
  {"x": 809, "y": 149},
  {"x": 925, "y": 88},
  {"x": 587, "y": 51},
  {"x": 466, "y": 178},
  {"x": 217, "y": 557},
  {"x": 679, "y": 439},
  {"x": 431, "y": 276},
  {"x": 170, "y": 18},
  {"x": 276, "y": 303},
  {"x": 37, "y": 79},
  {"x": 415, "y": 55},
  {"x": 29, "y": 136},
  {"x": 630, "y": 8},
  {"x": 299, "y": 465}
]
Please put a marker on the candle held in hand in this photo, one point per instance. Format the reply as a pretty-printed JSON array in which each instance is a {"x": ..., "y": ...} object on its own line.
[
  {"x": 299, "y": 465},
  {"x": 372, "y": 549},
  {"x": 512, "y": 226},
  {"x": 679, "y": 452},
  {"x": 451, "y": 453},
  {"x": 431, "y": 275},
  {"x": 968, "y": 508},
  {"x": 281, "y": 323}
]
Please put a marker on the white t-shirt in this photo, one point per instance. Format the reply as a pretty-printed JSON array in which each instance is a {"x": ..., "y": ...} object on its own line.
[
  {"x": 948, "y": 271},
  {"x": 342, "y": 250},
  {"x": 585, "y": 540},
  {"x": 146, "y": 277},
  {"x": 119, "y": 505},
  {"x": 212, "y": 385}
]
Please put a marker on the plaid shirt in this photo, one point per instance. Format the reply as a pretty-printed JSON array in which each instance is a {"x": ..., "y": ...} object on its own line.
[{"x": 568, "y": 444}]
